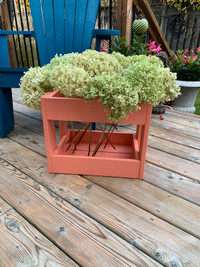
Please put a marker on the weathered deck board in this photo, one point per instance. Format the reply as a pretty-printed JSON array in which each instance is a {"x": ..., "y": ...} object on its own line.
[
  {"x": 22, "y": 245},
  {"x": 77, "y": 234},
  {"x": 176, "y": 137},
  {"x": 190, "y": 131},
  {"x": 180, "y": 118},
  {"x": 127, "y": 222},
  {"x": 105, "y": 207},
  {"x": 162, "y": 204},
  {"x": 172, "y": 182},
  {"x": 187, "y": 153},
  {"x": 168, "y": 161}
]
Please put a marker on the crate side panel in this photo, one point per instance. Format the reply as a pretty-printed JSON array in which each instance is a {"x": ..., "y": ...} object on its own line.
[
  {"x": 76, "y": 109},
  {"x": 95, "y": 166}
]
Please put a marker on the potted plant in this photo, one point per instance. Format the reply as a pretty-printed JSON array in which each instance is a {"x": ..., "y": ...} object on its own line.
[
  {"x": 187, "y": 66},
  {"x": 103, "y": 88}
]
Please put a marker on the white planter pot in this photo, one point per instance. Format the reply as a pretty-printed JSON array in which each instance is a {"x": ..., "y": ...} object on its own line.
[{"x": 185, "y": 102}]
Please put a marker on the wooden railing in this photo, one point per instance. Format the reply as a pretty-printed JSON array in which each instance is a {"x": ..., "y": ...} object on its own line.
[{"x": 125, "y": 14}]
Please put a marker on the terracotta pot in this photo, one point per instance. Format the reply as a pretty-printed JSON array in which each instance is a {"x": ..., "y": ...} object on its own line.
[
  {"x": 185, "y": 102},
  {"x": 127, "y": 160}
]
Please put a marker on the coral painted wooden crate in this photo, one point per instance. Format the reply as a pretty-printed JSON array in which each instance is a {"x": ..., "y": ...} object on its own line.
[{"x": 126, "y": 160}]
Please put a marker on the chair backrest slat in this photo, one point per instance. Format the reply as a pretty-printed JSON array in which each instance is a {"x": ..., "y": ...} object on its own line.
[
  {"x": 49, "y": 28},
  {"x": 70, "y": 9},
  {"x": 63, "y": 26},
  {"x": 92, "y": 9},
  {"x": 59, "y": 17},
  {"x": 36, "y": 12},
  {"x": 81, "y": 10}
]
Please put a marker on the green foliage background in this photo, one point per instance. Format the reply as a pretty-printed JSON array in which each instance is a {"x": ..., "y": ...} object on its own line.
[{"x": 183, "y": 5}]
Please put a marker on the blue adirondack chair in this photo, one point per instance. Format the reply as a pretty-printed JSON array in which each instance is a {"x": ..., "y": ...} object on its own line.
[{"x": 60, "y": 26}]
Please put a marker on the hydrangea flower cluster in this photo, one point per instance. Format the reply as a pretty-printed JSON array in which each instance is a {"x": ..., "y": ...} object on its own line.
[{"x": 121, "y": 83}]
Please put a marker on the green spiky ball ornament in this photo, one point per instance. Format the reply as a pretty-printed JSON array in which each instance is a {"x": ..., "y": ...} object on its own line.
[{"x": 140, "y": 26}]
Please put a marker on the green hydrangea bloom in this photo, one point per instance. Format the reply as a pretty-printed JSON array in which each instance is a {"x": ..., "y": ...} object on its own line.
[
  {"x": 66, "y": 59},
  {"x": 70, "y": 80},
  {"x": 115, "y": 93},
  {"x": 34, "y": 84},
  {"x": 120, "y": 82},
  {"x": 96, "y": 63}
]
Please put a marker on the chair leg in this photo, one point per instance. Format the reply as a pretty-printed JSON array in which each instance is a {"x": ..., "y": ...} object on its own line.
[
  {"x": 6, "y": 112},
  {"x": 94, "y": 126}
]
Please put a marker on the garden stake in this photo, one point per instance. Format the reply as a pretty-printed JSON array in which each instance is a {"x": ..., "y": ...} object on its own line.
[
  {"x": 87, "y": 126},
  {"x": 75, "y": 134},
  {"x": 100, "y": 141},
  {"x": 73, "y": 138},
  {"x": 108, "y": 137}
]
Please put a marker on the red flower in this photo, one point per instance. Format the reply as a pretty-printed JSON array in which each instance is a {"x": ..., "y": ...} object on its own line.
[{"x": 186, "y": 61}]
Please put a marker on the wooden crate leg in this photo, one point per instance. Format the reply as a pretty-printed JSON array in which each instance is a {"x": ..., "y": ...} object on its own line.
[
  {"x": 143, "y": 136},
  {"x": 6, "y": 112},
  {"x": 50, "y": 141},
  {"x": 49, "y": 135}
]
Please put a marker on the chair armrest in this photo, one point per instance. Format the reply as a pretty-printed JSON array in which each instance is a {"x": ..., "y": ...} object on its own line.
[
  {"x": 105, "y": 33},
  {"x": 10, "y": 77},
  {"x": 25, "y": 33},
  {"x": 101, "y": 34}
]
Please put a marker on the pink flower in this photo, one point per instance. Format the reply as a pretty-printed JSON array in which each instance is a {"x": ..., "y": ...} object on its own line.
[
  {"x": 151, "y": 45},
  {"x": 195, "y": 57},
  {"x": 158, "y": 49},
  {"x": 186, "y": 50},
  {"x": 172, "y": 61},
  {"x": 102, "y": 41},
  {"x": 186, "y": 61},
  {"x": 103, "y": 49},
  {"x": 182, "y": 56},
  {"x": 198, "y": 48},
  {"x": 175, "y": 57},
  {"x": 150, "y": 55},
  {"x": 192, "y": 51},
  {"x": 153, "y": 48}
]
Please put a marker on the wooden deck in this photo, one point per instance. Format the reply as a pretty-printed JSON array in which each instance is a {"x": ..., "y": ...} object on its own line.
[{"x": 71, "y": 220}]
